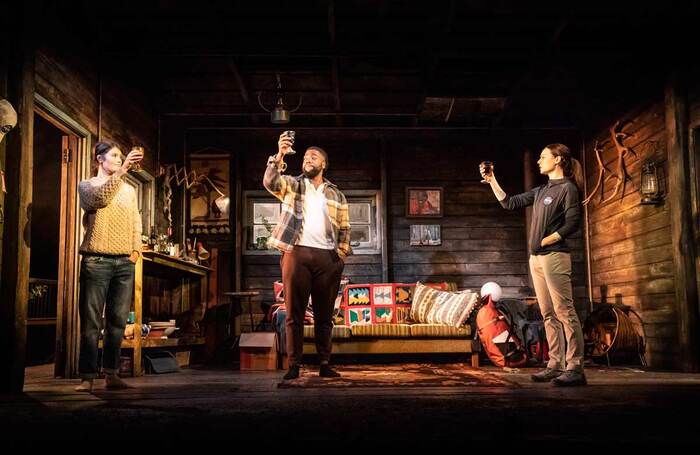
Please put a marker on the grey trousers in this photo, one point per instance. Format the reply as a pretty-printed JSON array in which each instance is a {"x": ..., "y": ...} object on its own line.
[{"x": 551, "y": 275}]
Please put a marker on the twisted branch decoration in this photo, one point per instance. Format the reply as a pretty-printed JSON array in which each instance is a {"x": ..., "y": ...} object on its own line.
[{"x": 190, "y": 179}]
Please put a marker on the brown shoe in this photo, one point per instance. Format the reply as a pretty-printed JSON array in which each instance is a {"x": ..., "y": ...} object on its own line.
[
  {"x": 292, "y": 373},
  {"x": 327, "y": 372}
]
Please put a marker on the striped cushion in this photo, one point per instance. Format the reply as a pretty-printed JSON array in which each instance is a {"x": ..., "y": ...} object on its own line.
[
  {"x": 432, "y": 306},
  {"x": 339, "y": 331},
  {"x": 382, "y": 330},
  {"x": 439, "y": 331}
]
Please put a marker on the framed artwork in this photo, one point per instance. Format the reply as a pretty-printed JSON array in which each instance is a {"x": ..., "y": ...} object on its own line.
[
  {"x": 204, "y": 215},
  {"x": 425, "y": 235},
  {"x": 423, "y": 202}
]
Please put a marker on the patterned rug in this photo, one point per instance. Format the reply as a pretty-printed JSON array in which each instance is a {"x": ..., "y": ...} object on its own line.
[{"x": 404, "y": 375}]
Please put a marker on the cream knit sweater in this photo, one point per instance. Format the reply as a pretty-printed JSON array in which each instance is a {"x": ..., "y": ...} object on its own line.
[{"x": 112, "y": 221}]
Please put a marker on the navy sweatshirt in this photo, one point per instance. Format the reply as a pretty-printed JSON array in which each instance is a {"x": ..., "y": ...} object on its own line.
[{"x": 555, "y": 209}]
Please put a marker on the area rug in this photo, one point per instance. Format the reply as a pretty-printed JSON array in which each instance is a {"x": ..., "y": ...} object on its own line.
[{"x": 404, "y": 375}]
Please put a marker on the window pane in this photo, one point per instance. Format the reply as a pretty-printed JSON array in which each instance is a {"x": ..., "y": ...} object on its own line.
[
  {"x": 360, "y": 234},
  {"x": 360, "y": 212},
  {"x": 269, "y": 211},
  {"x": 259, "y": 234},
  {"x": 260, "y": 231}
]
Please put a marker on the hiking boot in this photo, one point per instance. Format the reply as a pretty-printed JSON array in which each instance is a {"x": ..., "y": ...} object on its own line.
[
  {"x": 292, "y": 373},
  {"x": 327, "y": 372},
  {"x": 570, "y": 378},
  {"x": 546, "y": 375}
]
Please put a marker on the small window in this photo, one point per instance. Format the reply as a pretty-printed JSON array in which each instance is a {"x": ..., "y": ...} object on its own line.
[
  {"x": 363, "y": 223},
  {"x": 266, "y": 215},
  {"x": 364, "y": 210},
  {"x": 261, "y": 215}
]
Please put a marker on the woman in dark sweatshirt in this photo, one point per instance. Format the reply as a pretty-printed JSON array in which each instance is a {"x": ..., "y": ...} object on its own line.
[{"x": 556, "y": 214}]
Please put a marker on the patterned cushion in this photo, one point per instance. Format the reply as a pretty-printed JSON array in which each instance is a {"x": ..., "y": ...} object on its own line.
[
  {"x": 439, "y": 331},
  {"x": 432, "y": 306},
  {"x": 380, "y": 303},
  {"x": 339, "y": 331},
  {"x": 382, "y": 330}
]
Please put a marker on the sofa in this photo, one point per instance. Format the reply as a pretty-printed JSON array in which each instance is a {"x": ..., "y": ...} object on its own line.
[{"x": 381, "y": 318}]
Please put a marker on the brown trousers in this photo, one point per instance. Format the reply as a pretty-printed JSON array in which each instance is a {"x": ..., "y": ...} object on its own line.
[{"x": 311, "y": 272}]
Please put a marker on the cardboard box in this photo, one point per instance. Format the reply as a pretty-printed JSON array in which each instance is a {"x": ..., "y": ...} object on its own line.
[
  {"x": 183, "y": 358},
  {"x": 258, "y": 351}
]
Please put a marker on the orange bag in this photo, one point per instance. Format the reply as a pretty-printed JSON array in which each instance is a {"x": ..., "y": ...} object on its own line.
[{"x": 507, "y": 350}]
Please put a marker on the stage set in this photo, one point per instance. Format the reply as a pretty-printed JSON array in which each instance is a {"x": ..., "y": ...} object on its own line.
[{"x": 383, "y": 219}]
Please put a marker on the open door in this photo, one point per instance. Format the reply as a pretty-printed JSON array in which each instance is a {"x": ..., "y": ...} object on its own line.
[{"x": 66, "y": 317}]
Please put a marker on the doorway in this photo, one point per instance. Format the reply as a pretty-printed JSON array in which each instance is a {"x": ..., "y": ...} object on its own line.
[
  {"x": 45, "y": 242},
  {"x": 61, "y": 159}
]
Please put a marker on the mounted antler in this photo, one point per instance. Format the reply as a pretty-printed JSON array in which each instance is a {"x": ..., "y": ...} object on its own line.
[
  {"x": 601, "y": 172},
  {"x": 618, "y": 136}
]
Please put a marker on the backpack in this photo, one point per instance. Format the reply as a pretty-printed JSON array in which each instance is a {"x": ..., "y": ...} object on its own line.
[
  {"x": 530, "y": 333},
  {"x": 535, "y": 341},
  {"x": 499, "y": 335}
]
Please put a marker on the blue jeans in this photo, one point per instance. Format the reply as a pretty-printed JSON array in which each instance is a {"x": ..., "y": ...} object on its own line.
[{"x": 106, "y": 283}]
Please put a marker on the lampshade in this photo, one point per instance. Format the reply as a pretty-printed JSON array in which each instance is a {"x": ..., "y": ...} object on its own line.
[{"x": 279, "y": 115}]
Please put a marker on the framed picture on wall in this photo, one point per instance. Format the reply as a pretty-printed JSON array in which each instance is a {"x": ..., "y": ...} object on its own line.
[
  {"x": 204, "y": 214},
  {"x": 425, "y": 235},
  {"x": 424, "y": 202}
]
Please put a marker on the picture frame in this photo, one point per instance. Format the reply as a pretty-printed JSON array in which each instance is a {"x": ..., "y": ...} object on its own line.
[
  {"x": 202, "y": 215},
  {"x": 424, "y": 202},
  {"x": 425, "y": 235}
]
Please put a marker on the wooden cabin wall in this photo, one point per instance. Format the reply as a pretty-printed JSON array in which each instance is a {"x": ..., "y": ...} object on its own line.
[
  {"x": 631, "y": 260},
  {"x": 71, "y": 81},
  {"x": 480, "y": 240}
]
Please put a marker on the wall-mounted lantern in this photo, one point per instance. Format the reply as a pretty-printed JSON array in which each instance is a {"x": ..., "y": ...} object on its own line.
[{"x": 649, "y": 187}]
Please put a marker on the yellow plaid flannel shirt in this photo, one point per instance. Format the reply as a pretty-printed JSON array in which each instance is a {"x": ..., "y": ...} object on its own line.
[{"x": 290, "y": 190}]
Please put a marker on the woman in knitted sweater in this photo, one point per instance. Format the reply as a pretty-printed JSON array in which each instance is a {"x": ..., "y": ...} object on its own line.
[{"x": 110, "y": 248}]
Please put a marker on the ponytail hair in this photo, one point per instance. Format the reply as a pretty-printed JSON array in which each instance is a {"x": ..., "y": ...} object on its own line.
[{"x": 571, "y": 166}]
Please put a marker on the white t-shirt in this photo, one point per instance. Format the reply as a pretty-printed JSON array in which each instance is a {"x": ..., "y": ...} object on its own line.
[{"x": 316, "y": 226}]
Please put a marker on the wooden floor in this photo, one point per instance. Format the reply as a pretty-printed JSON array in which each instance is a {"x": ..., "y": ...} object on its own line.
[{"x": 621, "y": 404}]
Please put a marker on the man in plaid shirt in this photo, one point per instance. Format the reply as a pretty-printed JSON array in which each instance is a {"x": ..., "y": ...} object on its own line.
[{"x": 313, "y": 235}]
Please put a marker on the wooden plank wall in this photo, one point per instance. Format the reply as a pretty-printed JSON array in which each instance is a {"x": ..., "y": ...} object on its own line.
[
  {"x": 694, "y": 116},
  {"x": 631, "y": 259},
  {"x": 70, "y": 82},
  {"x": 481, "y": 241}
]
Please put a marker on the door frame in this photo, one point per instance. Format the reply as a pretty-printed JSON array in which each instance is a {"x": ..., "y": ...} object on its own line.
[{"x": 67, "y": 317}]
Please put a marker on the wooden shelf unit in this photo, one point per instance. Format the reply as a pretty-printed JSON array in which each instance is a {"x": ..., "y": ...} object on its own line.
[{"x": 152, "y": 261}]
